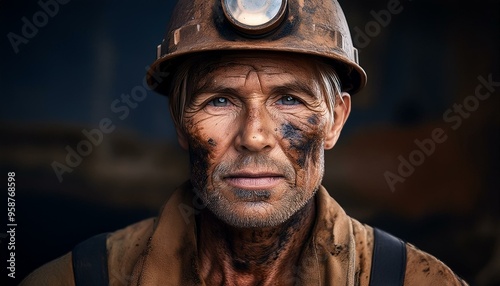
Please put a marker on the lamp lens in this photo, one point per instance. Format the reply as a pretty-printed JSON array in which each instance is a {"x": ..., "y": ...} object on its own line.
[{"x": 253, "y": 12}]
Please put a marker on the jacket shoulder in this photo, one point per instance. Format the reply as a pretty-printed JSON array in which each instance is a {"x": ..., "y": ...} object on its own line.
[
  {"x": 58, "y": 272},
  {"x": 124, "y": 247},
  {"x": 425, "y": 269},
  {"x": 421, "y": 267}
]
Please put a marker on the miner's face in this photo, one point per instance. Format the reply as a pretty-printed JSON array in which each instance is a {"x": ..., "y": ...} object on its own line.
[{"x": 256, "y": 130}]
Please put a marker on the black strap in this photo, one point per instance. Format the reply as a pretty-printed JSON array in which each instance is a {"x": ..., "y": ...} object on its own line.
[
  {"x": 388, "y": 261},
  {"x": 90, "y": 262}
]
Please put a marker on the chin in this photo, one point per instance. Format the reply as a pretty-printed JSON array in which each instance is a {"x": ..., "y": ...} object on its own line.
[{"x": 251, "y": 214}]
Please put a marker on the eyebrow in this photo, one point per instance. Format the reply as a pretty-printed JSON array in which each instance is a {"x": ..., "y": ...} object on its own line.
[
  {"x": 208, "y": 85},
  {"x": 295, "y": 86},
  {"x": 212, "y": 88}
]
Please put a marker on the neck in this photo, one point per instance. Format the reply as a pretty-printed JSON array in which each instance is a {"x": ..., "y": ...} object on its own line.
[{"x": 251, "y": 256}]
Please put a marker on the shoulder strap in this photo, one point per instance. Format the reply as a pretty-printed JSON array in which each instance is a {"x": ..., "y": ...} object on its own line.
[
  {"x": 388, "y": 261},
  {"x": 90, "y": 262}
]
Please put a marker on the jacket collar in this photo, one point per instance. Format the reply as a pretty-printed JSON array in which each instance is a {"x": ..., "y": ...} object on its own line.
[{"x": 171, "y": 255}]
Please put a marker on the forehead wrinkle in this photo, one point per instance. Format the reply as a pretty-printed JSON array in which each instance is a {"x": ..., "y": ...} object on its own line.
[
  {"x": 208, "y": 81},
  {"x": 281, "y": 70},
  {"x": 209, "y": 71},
  {"x": 263, "y": 72},
  {"x": 276, "y": 70},
  {"x": 248, "y": 79}
]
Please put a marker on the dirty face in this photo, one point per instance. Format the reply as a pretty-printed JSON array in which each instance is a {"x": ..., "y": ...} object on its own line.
[{"x": 256, "y": 129}]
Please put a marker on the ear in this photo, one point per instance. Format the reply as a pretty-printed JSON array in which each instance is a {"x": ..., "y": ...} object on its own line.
[
  {"x": 181, "y": 137},
  {"x": 341, "y": 112}
]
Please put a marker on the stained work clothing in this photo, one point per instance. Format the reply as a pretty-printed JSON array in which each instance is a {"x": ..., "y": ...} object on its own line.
[{"x": 163, "y": 251}]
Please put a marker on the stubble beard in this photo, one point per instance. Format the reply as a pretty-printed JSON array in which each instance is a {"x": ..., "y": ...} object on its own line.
[{"x": 260, "y": 213}]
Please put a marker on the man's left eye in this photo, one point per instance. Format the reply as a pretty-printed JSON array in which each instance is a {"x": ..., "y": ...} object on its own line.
[
  {"x": 288, "y": 100},
  {"x": 219, "y": 101}
]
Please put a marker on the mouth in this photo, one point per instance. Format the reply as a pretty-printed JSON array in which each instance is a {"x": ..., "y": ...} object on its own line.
[{"x": 254, "y": 180}]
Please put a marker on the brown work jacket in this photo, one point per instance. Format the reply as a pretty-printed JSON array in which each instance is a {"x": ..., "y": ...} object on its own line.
[{"x": 163, "y": 251}]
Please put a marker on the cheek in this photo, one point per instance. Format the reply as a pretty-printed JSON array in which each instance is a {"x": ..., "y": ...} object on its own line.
[
  {"x": 210, "y": 130},
  {"x": 204, "y": 150},
  {"x": 199, "y": 152},
  {"x": 199, "y": 159},
  {"x": 303, "y": 142}
]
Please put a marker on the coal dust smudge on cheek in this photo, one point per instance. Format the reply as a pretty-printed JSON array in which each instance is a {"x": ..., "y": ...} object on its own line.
[
  {"x": 313, "y": 119},
  {"x": 303, "y": 144},
  {"x": 198, "y": 159},
  {"x": 199, "y": 155}
]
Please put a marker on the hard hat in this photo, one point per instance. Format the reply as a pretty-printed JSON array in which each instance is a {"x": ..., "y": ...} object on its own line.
[{"x": 311, "y": 27}]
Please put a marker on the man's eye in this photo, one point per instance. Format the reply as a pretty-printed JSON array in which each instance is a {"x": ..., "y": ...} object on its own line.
[
  {"x": 288, "y": 100},
  {"x": 219, "y": 101}
]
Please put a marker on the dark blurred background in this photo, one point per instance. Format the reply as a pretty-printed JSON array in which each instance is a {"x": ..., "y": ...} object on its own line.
[{"x": 65, "y": 76}]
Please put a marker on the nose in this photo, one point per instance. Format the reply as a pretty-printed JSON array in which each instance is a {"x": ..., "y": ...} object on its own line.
[{"x": 255, "y": 133}]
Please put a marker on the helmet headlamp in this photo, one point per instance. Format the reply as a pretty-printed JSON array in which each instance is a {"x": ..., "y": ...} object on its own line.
[{"x": 254, "y": 17}]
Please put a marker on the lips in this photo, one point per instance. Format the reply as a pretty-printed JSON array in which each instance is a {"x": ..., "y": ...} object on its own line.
[{"x": 254, "y": 180}]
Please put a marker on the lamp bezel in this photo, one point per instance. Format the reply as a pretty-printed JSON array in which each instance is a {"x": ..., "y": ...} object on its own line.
[{"x": 256, "y": 30}]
